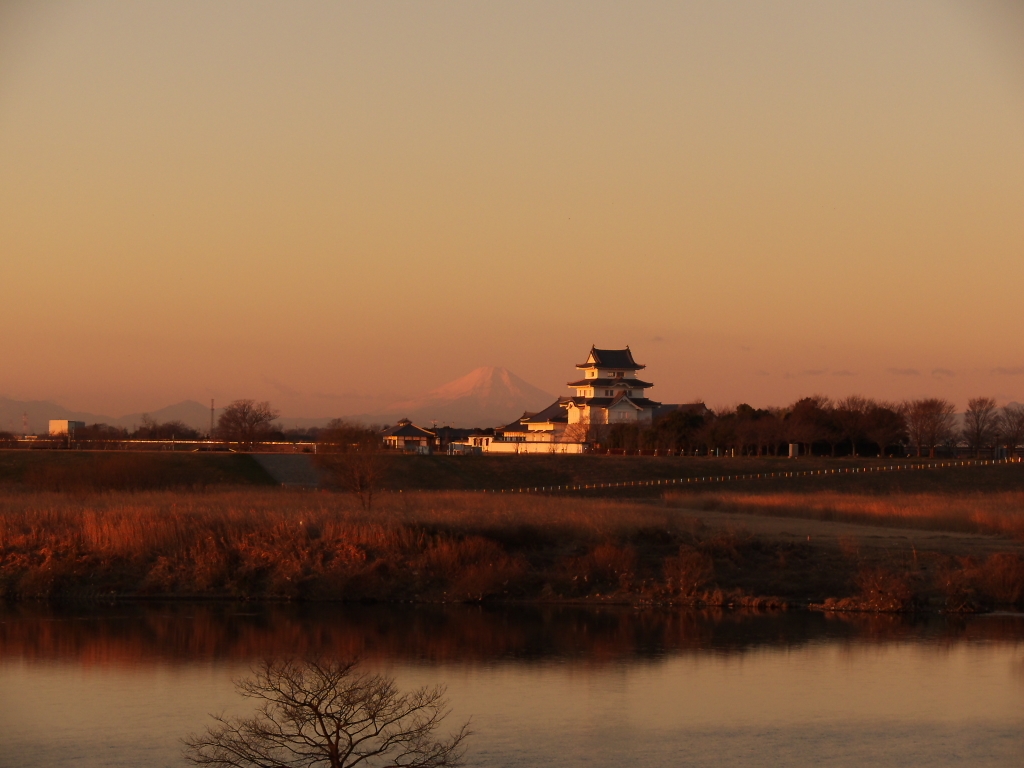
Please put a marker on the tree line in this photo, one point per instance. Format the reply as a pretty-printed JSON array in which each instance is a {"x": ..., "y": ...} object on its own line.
[{"x": 854, "y": 425}]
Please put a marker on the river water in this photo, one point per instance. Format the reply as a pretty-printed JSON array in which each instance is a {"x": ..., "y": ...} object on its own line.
[{"x": 548, "y": 686}]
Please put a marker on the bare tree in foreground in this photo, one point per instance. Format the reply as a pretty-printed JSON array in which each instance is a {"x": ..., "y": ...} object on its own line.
[
  {"x": 326, "y": 713},
  {"x": 352, "y": 456}
]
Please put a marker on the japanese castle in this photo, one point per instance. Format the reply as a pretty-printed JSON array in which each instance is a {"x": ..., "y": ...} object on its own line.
[{"x": 609, "y": 393}]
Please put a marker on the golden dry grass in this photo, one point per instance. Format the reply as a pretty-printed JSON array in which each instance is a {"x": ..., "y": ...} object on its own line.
[
  {"x": 282, "y": 544},
  {"x": 253, "y": 543}
]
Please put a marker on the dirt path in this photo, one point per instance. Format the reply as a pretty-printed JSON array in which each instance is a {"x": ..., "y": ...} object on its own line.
[{"x": 843, "y": 536}]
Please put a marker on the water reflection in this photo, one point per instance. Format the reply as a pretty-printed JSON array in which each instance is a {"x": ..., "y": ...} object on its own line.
[
  {"x": 545, "y": 685},
  {"x": 134, "y": 633}
]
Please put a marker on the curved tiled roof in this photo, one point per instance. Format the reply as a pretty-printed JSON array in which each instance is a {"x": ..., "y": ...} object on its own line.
[
  {"x": 612, "y": 358},
  {"x": 406, "y": 428},
  {"x": 554, "y": 412},
  {"x": 604, "y": 402},
  {"x": 609, "y": 383}
]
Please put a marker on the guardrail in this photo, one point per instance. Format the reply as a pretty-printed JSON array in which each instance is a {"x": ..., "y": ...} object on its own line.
[{"x": 756, "y": 476}]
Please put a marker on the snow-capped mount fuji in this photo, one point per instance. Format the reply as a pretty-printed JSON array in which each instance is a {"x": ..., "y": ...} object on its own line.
[{"x": 486, "y": 397}]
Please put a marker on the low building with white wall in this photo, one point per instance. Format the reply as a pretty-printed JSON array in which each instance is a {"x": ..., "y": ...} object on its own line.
[{"x": 65, "y": 427}]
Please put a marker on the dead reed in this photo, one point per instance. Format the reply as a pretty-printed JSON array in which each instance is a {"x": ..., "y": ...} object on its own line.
[
  {"x": 280, "y": 544},
  {"x": 252, "y": 543}
]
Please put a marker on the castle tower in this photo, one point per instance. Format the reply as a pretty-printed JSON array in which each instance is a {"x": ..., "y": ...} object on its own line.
[{"x": 610, "y": 392}]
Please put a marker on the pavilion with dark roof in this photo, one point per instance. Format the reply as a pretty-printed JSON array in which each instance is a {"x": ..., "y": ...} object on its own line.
[{"x": 406, "y": 436}]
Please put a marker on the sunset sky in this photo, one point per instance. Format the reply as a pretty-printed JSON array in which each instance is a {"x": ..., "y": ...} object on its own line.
[{"x": 334, "y": 205}]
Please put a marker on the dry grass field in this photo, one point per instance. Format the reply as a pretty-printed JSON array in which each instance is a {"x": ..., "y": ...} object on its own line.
[{"x": 858, "y": 551}]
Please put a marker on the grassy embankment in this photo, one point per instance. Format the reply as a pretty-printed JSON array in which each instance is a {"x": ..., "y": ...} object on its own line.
[
  {"x": 274, "y": 543},
  {"x": 503, "y": 472},
  {"x": 86, "y": 471}
]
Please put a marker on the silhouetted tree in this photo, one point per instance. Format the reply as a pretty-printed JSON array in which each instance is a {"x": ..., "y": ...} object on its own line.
[
  {"x": 770, "y": 430},
  {"x": 628, "y": 436},
  {"x": 327, "y": 713},
  {"x": 1011, "y": 424},
  {"x": 930, "y": 422},
  {"x": 677, "y": 430},
  {"x": 755, "y": 428},
  {"x": 246, "y": 422},
  {"x": 718, "y": 431},
  {"x": 809, "y": 421},
  {"x": 885, "y": 425},
  {"x": 168, "y": 430},
  {"x": 851, "y": 418},
  {"x": 101, "y": 432},
  {"x": 980, "y": 423}
]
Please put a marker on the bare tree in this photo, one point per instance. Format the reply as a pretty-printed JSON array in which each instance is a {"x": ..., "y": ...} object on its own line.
[
  {"x": 246, "y": 422},
  {"x": 808, "y": 421},
  {"x": 851, "y": 419},
  {"x": 1011, "y": 424},
  {"x": 169, "y": 430},
  {"x": 718, "y": 431},
  {"x": 326, "y": 713},
  {"x": 981, "y": 421},
  {"x": 354, "y": 459},
  {"x": 578, "y": 432},
  {"x": 586, "y": 431},
  {"x": 930, "y": 422},
  {"x": 885, "y": 425}
]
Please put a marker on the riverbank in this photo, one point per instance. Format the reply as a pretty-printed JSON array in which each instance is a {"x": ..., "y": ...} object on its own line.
[
  {"x": 92, "y": 471},
  {"x": 280, "y": 544}
]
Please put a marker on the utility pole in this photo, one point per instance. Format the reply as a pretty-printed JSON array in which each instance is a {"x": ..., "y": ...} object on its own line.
[{"x": 211, "y": 418}]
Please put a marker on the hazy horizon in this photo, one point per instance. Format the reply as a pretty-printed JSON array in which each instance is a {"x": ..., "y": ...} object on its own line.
[{"x": 334, "y": 206}]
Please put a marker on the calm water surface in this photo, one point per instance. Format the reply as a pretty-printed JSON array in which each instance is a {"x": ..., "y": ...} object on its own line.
[{"x": 544, "y": 687}]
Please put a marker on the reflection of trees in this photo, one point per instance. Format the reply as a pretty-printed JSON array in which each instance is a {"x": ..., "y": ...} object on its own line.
[{"x": 186, "y": 633}]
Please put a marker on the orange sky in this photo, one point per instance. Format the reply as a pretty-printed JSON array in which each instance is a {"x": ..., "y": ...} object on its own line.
[{"x": 332, "y": 205}]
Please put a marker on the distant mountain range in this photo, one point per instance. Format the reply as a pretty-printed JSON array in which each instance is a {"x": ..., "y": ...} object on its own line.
[{"x": 486, "y": 397}]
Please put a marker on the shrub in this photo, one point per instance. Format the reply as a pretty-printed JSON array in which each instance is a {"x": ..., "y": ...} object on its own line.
[
  {"x": 1000, "y": 578},
  {"x": 882, "y": 589},
  {"x": 687, "y": 573}
]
